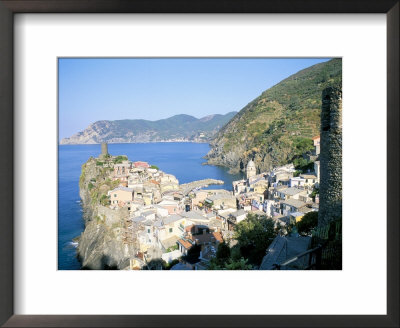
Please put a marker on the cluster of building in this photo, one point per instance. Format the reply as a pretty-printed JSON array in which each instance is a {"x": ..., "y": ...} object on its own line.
[{"x": 166, "y": 221}]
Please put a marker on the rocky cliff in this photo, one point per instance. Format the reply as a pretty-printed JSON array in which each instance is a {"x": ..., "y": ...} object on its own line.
[
  {"x": 101, "y": 245},
  {"x": 176, "y": 128},
  {"x": 276, "y": 127}
]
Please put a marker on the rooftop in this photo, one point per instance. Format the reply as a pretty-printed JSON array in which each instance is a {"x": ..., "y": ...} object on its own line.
[
  {"x": 294, "y": 202},
  {"x": 238, "y": 213},
  {"x": 171, "y": 218},
  {"x": 308, "y": 176},
  {"x": 138, "y": 219},
  {"x": 185, "y": 243},
  {"x": 292, "y": 191},
  {"x": 283, "y": 248},
  {"x": 194, "y": 215}
]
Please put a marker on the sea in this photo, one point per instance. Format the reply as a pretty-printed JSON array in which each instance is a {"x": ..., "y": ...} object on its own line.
[{"x": 182, "y": 159}]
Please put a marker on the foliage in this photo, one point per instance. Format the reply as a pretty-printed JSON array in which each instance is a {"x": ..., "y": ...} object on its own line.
[
  {"x": 254, "y": 235},
  {"x": 169, "y": 265},
  {"x": 98, "y": 163},
  {"x": 83, "y": 176},
  {"x": 193, "y": 254},
  {"x": 104, "y": 200},
  {"x": 307, "y": 223},
  {"x": 279, "y": 124},
  {"x": 223, "y": 251},
  {"x": 172, "y": 248},
  {"x": 296, "y": 173},
  {"x": 230, "y": 264},
  {"x": 119, "y": 159},
  {"x": 90, "y": 186},
  {"x": 302, "y": 145},
  {"x": 155, "y": 264},
  {"x": 154, "y": 167},
  {"x": 314, "y": 193}
]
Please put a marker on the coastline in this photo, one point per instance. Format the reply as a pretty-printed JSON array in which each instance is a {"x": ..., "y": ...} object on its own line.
[
  {"x": 145, "y": 142},
  {"x": 194, "y": 173}
]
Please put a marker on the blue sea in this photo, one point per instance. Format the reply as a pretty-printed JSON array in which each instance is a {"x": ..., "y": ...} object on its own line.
[{"x": 182, "y": 159}]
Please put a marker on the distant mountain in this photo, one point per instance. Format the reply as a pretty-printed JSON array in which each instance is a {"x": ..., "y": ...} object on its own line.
[
  {"x": 176, "y": 128},
  {"x": 276, "y": 127}
]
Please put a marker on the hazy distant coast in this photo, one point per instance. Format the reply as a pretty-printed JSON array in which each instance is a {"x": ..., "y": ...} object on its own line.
[{"x": 178, "y": 128}]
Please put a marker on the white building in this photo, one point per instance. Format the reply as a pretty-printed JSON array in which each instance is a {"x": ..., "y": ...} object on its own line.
[{"x": 251, "y": 169}]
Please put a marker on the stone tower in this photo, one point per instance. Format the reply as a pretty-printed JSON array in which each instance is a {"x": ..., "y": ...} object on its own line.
[
  {"x": 251, "y": 169},
  {"x": 330, "y": 190},
  {"x": 104, "y": 149}
]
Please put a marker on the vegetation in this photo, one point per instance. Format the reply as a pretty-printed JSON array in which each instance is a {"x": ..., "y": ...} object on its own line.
[
  {"x": 172, "y": 248},
  {"x": 278, "y": 125},
  {"x": 308, "y": 223},
  {"x": 168, "y": 266},
  {"x": 254, "y": 235},
  {"x": 193, "y": 254},
  {"x": 314, "y": 193},
  {"x": 230, "y": 264},
  {"x": 120, "y": 159},
  {"x": 154, "y": 167}
]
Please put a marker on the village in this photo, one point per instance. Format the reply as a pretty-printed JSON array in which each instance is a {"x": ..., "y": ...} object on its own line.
[{"x": 166, "y": 220}]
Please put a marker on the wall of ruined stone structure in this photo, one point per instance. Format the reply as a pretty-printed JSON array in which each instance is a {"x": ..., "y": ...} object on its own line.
[
  {"x": 330, "y": 206},
  {"x": 104, "y": 149}
]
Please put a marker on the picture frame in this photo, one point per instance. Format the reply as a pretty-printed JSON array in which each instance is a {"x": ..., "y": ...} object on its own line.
[{"x": 7, "y": 10}]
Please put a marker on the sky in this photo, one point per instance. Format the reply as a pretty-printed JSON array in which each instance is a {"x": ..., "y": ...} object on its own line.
[{"x": 93, "y": 89}]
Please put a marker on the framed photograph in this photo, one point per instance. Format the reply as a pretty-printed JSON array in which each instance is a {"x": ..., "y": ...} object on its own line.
[{"x": 182, "y": 163}]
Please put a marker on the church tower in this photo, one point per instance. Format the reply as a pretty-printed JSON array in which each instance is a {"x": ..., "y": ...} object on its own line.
[{"x": 251, "y": 169}]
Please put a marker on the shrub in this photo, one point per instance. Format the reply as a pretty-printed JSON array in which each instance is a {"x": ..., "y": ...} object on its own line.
[{"x": 307, "y": 223}]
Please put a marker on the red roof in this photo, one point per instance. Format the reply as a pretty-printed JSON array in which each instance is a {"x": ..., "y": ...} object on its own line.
[
  {"x": 141, "y": 164},
  {"x": 316, "y": 137},
  {"x": 189, "y": 228},
  {"x": 185, "y": 243},
  {"x": 218, "y": 236}
]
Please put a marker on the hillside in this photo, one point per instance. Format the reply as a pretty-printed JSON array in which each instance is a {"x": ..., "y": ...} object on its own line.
[
  {"x": 176, "y": 128},
  {"x": 276, "y": 127}
]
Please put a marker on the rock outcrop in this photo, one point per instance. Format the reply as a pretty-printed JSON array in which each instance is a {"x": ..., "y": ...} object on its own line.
[{"x": 101, "y": 243}]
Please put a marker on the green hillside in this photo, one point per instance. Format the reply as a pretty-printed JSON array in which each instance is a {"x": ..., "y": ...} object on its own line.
[{"x": 277, "y": 127}]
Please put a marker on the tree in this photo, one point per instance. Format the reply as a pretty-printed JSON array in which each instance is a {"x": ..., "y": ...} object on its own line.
[
  {"x": 193, "y": 254},
  {"x": 254, "y": 235},
  {"x": 231, "y": 264},
  {"x": 307, "y": 223},
  {"x": 223, "y": 251}
]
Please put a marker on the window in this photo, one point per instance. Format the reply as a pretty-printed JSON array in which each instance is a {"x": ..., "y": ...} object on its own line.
[
  {"x": 148, "y": 230},
  {"x": 115, "y": 195},
  {"x": 170, "y": 230}
]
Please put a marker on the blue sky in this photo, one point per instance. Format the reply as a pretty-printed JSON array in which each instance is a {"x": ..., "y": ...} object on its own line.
[{"x": 137, "y": 88}]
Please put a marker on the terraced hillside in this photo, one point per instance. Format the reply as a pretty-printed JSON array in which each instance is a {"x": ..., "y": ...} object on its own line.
[{"x": 276, "y": 127}]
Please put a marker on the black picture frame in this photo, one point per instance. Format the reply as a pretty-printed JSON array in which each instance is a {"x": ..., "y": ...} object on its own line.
[{"x": 10, "y": 7}]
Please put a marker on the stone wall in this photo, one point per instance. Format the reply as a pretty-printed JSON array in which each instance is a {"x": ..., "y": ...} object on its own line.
[
  {"x": 330, "y": 206},
  {"x": 104, "y": 149}
]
